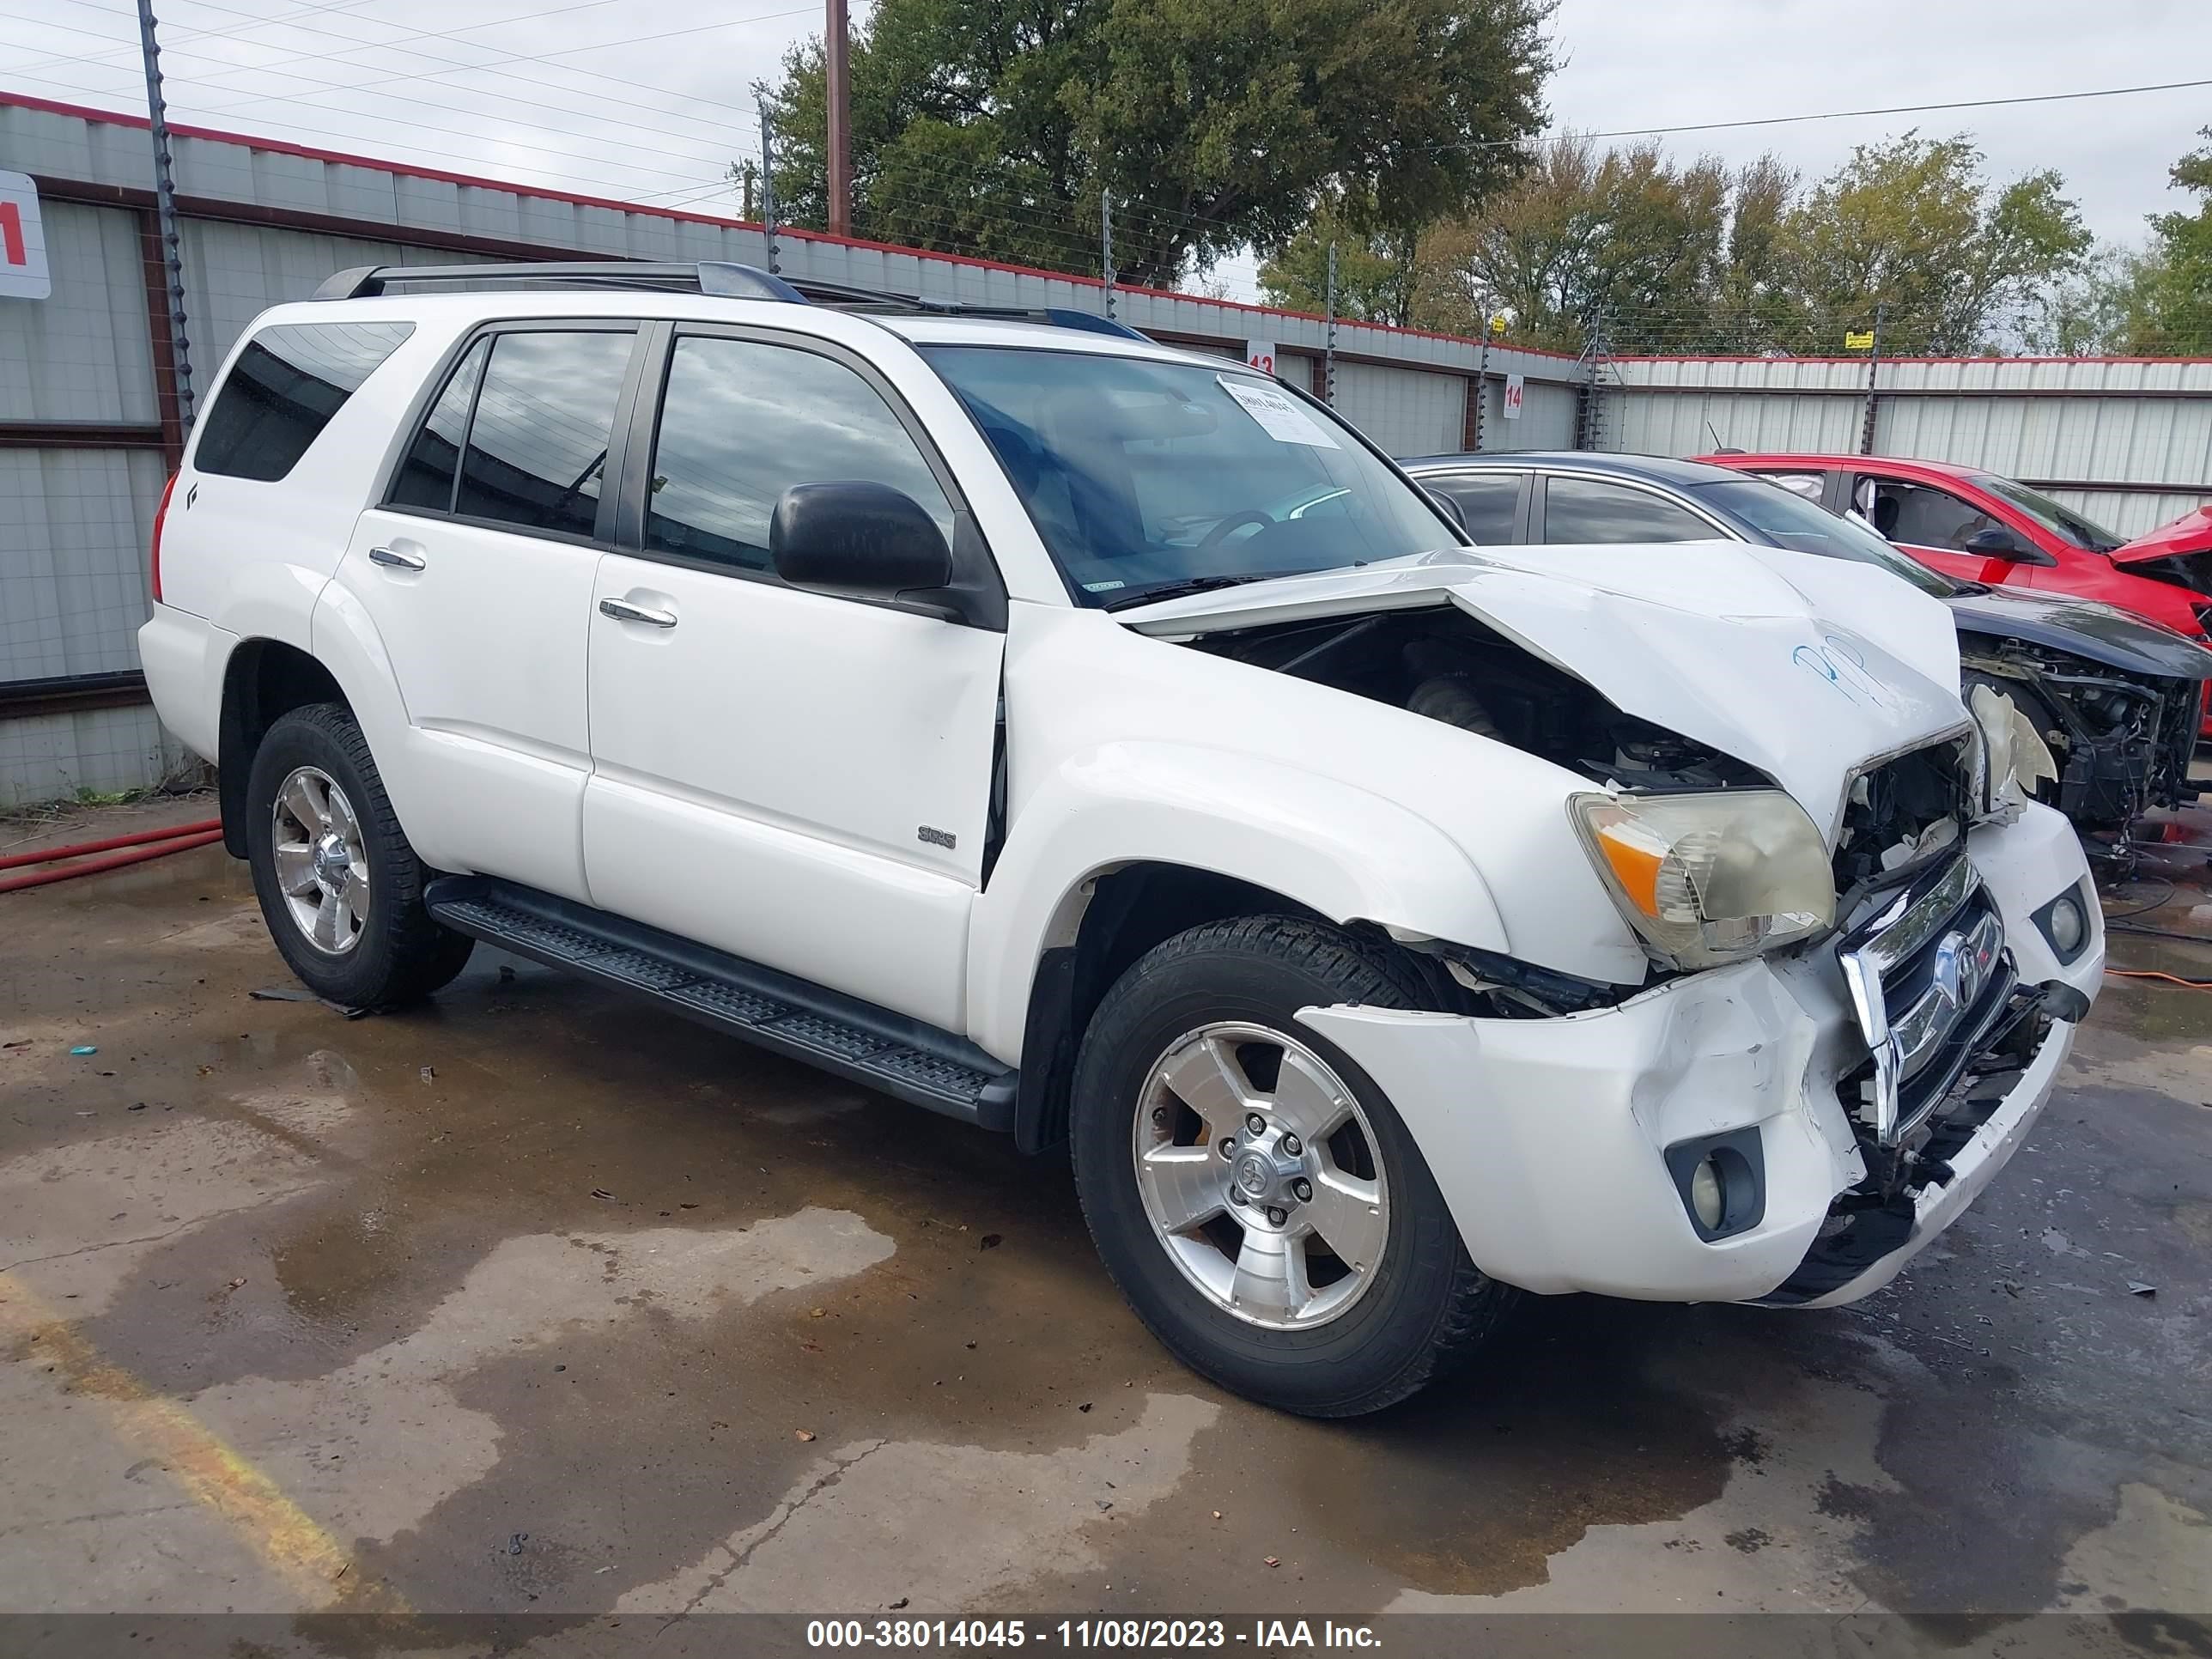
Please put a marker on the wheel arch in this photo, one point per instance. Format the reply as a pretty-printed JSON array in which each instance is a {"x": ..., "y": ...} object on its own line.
[
  {"x": 1112, "y": 918},
  {"x": 263, "y": 680}
]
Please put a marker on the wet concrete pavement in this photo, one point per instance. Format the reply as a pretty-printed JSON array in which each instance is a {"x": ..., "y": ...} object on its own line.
[{"x": 535, "y": 1301}]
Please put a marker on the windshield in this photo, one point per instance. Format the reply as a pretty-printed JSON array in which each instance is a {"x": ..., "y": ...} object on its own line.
[
  {"x": 1791, "y": 520},
  {"x": 2059, "y": 521},
  {"x": 1143, "y": 477}
]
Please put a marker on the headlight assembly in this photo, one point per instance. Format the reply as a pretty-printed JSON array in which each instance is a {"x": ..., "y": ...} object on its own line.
[{"x": 1713, "y": 878}]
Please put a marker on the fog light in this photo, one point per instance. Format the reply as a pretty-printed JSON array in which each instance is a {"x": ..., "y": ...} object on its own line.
[
  {"x": 2068, "y": 927},
  {"x": 2064, "y": 923},
  {"x": 1720, "y": 1181},
  {"x": 1707, "y": 1194}
]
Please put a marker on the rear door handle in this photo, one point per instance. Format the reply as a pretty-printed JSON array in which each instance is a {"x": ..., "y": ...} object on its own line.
[
  {"x": 623, "y": 610},
  {"x": 392, "y": 558}
]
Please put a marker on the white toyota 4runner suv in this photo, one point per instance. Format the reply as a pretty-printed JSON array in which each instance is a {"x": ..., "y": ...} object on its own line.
[{"x": 1105, "y": 743}]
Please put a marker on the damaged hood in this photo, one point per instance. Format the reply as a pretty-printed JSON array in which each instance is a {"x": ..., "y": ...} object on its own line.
[
  {"x": 2190, "y": 533},
  {"x": 1802, "y": 668}
]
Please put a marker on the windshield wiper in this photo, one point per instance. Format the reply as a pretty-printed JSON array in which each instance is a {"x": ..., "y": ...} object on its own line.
[{"x": 1190, "y": 584}]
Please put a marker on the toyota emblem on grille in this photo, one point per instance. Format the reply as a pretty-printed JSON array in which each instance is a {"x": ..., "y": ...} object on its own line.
[{"x": 1961, "y": 968}]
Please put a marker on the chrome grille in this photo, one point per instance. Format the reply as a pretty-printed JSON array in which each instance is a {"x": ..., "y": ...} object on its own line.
[{"x": 1929, "y": 975}]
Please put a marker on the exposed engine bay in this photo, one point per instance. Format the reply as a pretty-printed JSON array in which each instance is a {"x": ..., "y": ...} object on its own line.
[
  {"x": 2123, "y": 741},
  {"x": 1898, "y": 815},
  {"x": 1450, "y": 668}
]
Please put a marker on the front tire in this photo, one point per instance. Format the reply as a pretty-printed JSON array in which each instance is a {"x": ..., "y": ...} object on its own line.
[
  {"x": 340, "y": 888},
  {"x": 1252, "y": 1191}
]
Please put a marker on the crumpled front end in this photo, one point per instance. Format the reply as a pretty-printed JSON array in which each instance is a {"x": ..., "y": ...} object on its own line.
[
  {"x": 1790, "y": 1129},
  {"x": 2122, "y": 740}
]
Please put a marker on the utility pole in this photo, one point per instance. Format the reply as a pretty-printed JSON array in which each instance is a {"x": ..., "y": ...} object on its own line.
[
  {"x": 1106, "y": 245},
  {"x": 768, "y": 190},
  {"x": 1328, "y": 353},
  {"x": 165, "y": 212},
  {"x": 1874, "y": 363},
  {"x": 836, "y": 56}
]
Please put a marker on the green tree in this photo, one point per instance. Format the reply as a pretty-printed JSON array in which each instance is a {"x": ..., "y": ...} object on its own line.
[
  {"x": 991, "y": 127},
  {"x": 1377, "y": 272},
  {"x": 2167, "y": 299},
  {"x": 1625, "y": 236},
  {"x": 1910, "y": 226}
]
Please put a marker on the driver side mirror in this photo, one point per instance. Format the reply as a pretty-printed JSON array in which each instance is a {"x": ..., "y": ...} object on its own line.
[
  {"x": 1995, "y": 542},
  {"x": 858, "y": 539}
]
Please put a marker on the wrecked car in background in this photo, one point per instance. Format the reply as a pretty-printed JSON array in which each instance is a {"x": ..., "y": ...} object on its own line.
[{"x": 2116, "y": 699}]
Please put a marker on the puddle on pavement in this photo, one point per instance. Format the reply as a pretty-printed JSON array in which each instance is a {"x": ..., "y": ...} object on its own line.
[
  {"x": 1470, "y": 1488},
  {"x": 1593, "y": 1434}
]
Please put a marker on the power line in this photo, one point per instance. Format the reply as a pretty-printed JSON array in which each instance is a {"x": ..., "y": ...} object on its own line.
[
  {"x": 749, "y": 130},
  {"x": 491, "y": 135},
  {"x": 511, "y": 58},
  {"x": 1828, "y": 115},
  {"x": 280, "y": 19}
]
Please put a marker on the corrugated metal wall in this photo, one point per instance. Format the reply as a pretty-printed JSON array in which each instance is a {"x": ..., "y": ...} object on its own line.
[
  {"x": 1404, "y": 410},
  {"x": 2127, "y": 442}
]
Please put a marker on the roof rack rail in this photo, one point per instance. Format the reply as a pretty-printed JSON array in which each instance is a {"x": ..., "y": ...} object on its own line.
[
  {"x": 716, "y": 277},
  {"x": 713, "y": 277}
]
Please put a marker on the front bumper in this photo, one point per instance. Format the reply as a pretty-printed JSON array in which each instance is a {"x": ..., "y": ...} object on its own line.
[{"x": 1548, "y": 1138}]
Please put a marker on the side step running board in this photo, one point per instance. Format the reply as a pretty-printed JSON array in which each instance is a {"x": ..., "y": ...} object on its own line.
[{"x": 870, "y": 1045}]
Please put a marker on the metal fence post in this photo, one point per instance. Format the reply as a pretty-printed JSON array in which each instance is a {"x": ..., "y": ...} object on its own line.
[
  {"x": 1106, "y": 245},
  {"x": 165, "y": 212},
  {"x": 767, "y": 193},
  {"x": 1874, "y": 362},
  {"x": 1328, "y": 352},
  {"x": 1480, "y": 390}
]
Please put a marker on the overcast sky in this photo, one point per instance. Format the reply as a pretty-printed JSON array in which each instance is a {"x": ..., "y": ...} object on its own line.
[{"x": 649, "y": 99}]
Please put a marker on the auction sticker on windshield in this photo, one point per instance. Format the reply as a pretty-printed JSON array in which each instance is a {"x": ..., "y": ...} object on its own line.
[{"x": 1280, "y": 418}]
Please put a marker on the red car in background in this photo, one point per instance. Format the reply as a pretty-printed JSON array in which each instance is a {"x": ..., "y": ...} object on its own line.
[{"x": 1980, "y": 527}]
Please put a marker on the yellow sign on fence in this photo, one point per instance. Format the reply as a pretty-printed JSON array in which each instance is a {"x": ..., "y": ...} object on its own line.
[{"x": 1859, "y": 342}]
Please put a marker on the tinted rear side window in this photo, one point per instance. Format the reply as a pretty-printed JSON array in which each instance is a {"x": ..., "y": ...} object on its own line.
[
  {"x": 283, "y": 390},
  {"x": 1486, "y": 501},
  {"x": 537, "y": 446},
  {"x": 1578, "y": 512}
]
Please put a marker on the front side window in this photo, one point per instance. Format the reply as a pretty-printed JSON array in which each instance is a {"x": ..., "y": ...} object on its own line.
[
  {"x": 536, "y": 447},
  {"x": 283, "y": 390},
  {"x": 1486, "y": 502},
  {"x": 1921, "y": 516},
  {"x": 1579, "y": 512},
  {"x": 1143, "y": 477},
  {"x": 742, "y": 422}
]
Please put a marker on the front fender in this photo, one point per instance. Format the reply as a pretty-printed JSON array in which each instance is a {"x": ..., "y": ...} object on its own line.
[
  {"x": 347, "y": 642},
  {"x": 1348, "y": 854}
]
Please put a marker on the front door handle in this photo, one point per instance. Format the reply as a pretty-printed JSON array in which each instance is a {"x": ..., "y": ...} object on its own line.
[
  {"x": 623, "y": 610},
  {"x": 392, "y": 558}
]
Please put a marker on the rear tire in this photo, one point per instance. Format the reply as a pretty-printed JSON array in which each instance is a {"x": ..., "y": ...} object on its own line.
[
  {"x": 1332, "y": 1336},
  {"x": 340, "y": 888}
]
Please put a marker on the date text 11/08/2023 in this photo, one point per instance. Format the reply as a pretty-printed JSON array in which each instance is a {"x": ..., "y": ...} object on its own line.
[{"x": 926, "y": 1634}]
